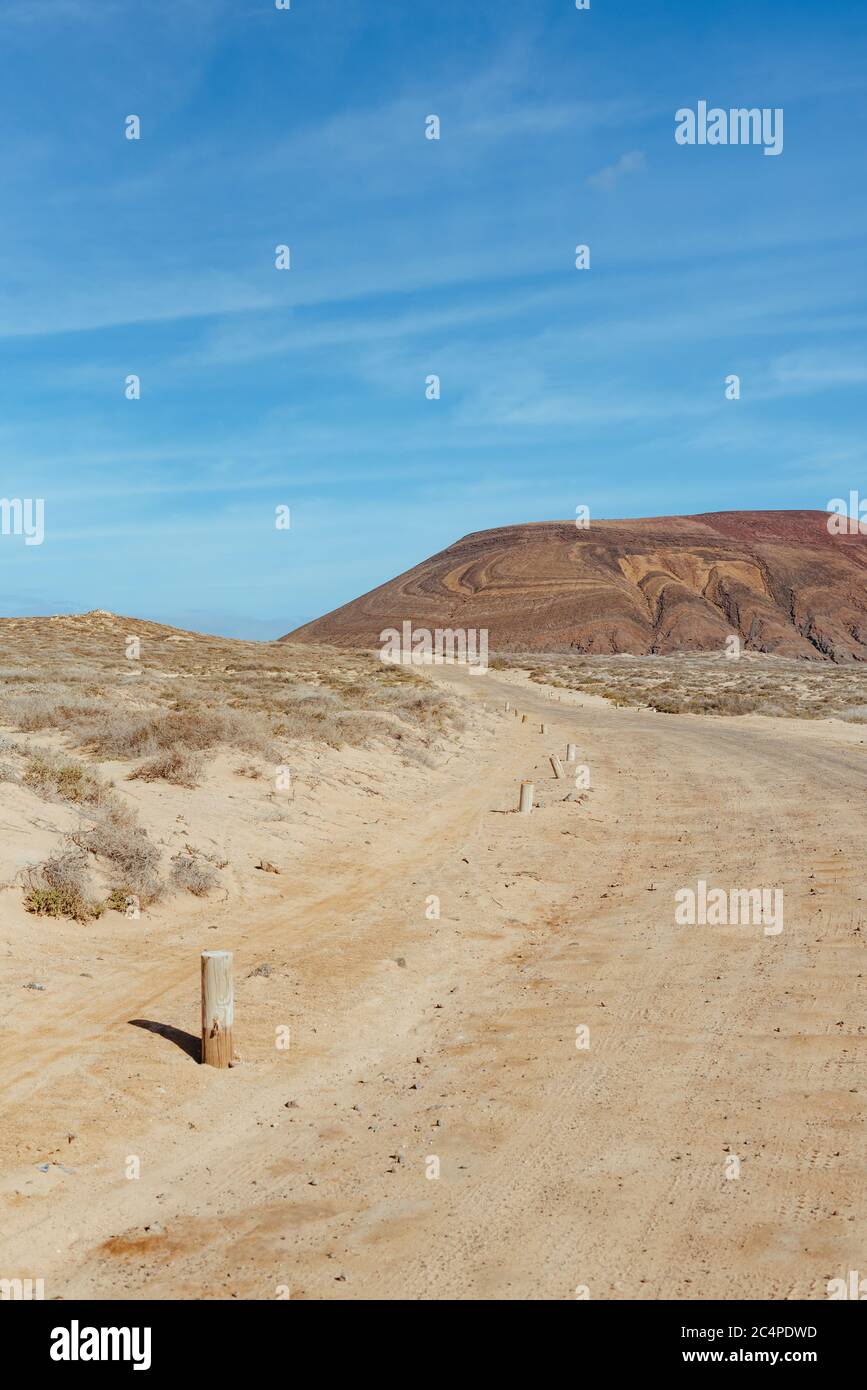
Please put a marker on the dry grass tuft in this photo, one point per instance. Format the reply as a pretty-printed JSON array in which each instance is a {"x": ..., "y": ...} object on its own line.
[{"x": 175, "y": 765}]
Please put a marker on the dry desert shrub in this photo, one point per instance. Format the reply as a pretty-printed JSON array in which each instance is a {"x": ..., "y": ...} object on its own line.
[
  {"x": 854, "y": 714},
  {"x": 53, "y": 709},
  {"x": 59, "y": 888},
  {"x": 425, "y": 708},
  {"x": 116, "y": 901},
  {"x": 117, "y": 837},
  {"x": 111, "y": 729},
  {"x": 58, "y": 777},
  {"x": 188, "y": 728},
  {"x": 27, "y": 712},
  {"x": 175, "y": 765},
  {"x": 192, "y": 875},
  {"x": 313, "y": 716},
  {"x": 351, "y": 714},
  {"x": 701, "y": 702}
]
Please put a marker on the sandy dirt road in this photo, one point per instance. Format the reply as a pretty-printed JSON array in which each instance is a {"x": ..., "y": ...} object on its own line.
[{"x": 304, "y": 1172}]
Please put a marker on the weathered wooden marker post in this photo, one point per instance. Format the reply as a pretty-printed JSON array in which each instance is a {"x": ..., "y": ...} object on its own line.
[
  {"x": 543, "y": 728},
  {"x": 525, "y": 803},
  {"x": 218, "y": 1008},
  {"x": 508, "y": 706},
  {"x": 523, "y": 718},
  {"x": 557, "y": 766},
  {"x": 571, "y": 752}
]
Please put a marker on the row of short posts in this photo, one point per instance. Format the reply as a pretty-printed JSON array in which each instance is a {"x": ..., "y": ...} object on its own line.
[{"x": 525, "y": 799}]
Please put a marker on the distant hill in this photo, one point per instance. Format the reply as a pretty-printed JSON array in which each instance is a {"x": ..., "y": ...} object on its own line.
[{"x": 658, "y": 584}]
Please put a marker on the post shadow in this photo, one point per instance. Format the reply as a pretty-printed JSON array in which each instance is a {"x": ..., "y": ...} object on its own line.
[{"x": 187, "y": 1042}]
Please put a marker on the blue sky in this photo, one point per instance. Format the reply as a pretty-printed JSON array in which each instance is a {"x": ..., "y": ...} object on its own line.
[{"x": 410, "y": 257}]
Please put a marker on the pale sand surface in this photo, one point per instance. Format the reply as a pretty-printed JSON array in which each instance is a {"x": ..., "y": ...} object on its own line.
[{"x": 558, "y": 1167}]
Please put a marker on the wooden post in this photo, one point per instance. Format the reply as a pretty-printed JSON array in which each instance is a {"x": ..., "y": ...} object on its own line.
[
  {"x": 557, "y": 766},
  {"x": 218, "y": 1008},
  {"x": 523, "y": 718},
  {"x": 508, "y": 706},
  {"x": 571, "y": 753},
  {"x": 525, "y": 803},
  {"x": 543, "y": 728}
]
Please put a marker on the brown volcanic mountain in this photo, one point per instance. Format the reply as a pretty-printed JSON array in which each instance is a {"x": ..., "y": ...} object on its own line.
[{"x": 658, "y": 584}]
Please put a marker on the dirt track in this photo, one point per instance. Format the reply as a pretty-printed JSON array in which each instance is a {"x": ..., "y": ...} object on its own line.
[{"x": 559, "y": 1167}]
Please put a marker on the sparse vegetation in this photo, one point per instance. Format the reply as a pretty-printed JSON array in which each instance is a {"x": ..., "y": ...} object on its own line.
[
  {"x": 68, "y": 680},
  {"x": 694, "y": 683},
  {"x": 59, "y": 888},
  {"x": 244, "y": 695}
]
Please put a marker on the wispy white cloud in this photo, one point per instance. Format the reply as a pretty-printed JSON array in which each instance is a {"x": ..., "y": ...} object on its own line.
[
  {"x": 546, "y": 118},
  {"x": 612, "y": 174},
  {"x": 25, "y": 12},
  {"x": 811, "y": 370}
]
